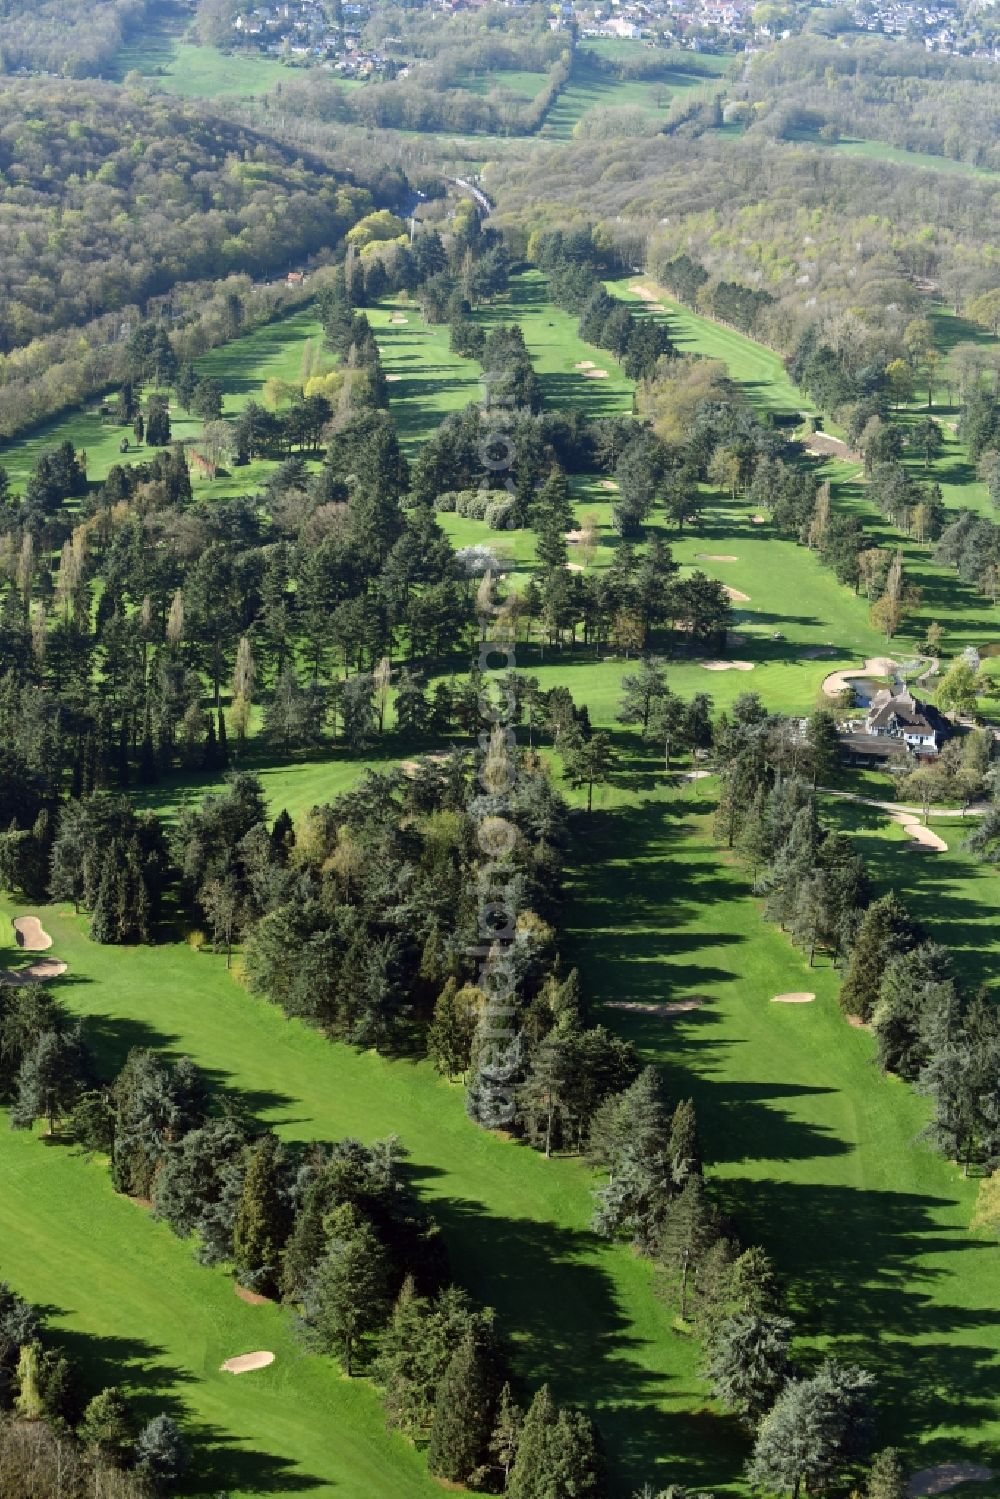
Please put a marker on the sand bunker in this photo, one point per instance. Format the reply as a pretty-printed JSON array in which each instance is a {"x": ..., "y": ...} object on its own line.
[
  {"x": 728, "y": 665},
  {"x": 922, "y": 835},
  {"x": 399, "y": 317},
  {"x": 675, "y": 1006},
  {"x": 736, "y": 596},
  {"x": 392, "y": 379},
  {"x": 716, "y": 557},
  {"x": 30, "y": 934},
  {"x": 759, "y": 520},
  {"x": 585, "y": 364},
  {"x": 822, "y": 445},
  {"x": 695, "y": 775},
  {"x": 244, "y": 1362},
  {"x": 574, "y": 537},
  {"x": 946, "y": 1476},
  {"x": 657, "y": 307},
  {"x": 608, "y": 484},
  {"x": 574, "y": 567},
  {"x": 35, "y": 973},
  {"x": 644, "y": 293},
  {"x": 797, "y": 997},
  {"x": 857, "y": 1024},
  {"x": 595, "y": 374},
  {"x": 876, "y": 666},
  {"x": 251, "y": 1297}
]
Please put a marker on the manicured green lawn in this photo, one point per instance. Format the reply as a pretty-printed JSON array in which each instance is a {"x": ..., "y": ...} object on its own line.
[
  {"x": 582, "y": 1313},
  {"x": 876, "y": 150},
  {"x": 427, "y": 381},
  {"x": 760, "y": 371},
  {"x": 556, "y": 349},
  {"x": 524, "y": 83},
  {"x": 133, "y": 1307},
  {"x": 814, "y": 1151},
  {"x": 242, "y": 366}
]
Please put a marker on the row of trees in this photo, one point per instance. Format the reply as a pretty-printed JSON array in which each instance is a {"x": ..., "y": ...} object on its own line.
[
  {"x": 817, "y": 888},
  {"x": 54, "y": 1440},
  {"x": 332, "y": 1230},
  {"x": 407, "y": 104},
  {"x": 810, "y": 1427}
]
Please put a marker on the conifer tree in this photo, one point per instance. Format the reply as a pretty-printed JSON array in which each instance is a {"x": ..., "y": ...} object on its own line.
[
  {"x": 684, "y": 1150},
  {"x": 691, "y": 1228},
  {"x": 506, "y": 1436},
  {"x": 886, "y": 931},
  {"x": 746, "y": 1363},
  {"x": 465, "y": 1408},
  {"x": 886, "y": 1476},
  {"x": 106, "y": 1427},
  {"x": 161, "y": 1453},
  {"x": 263, "y": 1219},
  {"x": 575, "y": 1460},
  {"x": 530, "y": 1472},
  {"x": 349, "y": 1294}
]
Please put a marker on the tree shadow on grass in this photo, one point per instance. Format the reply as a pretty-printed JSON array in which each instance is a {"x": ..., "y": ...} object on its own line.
[
  {"x": 221, "y": 1465},
  {"x": 562, "y": 1314},
  {"x": 135, "y": 1366},
  {"x": 155, "y": 1387},
  {"x": 111, "y": 1038},
  {"x": 862, "y": 1269}
]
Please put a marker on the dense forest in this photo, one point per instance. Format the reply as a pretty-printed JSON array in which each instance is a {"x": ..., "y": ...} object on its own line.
[
  {"x": 75, "y": 38},
  {"x": 820, "y": 234},
  {"x": 78, "y": 165},
  {"x": 920, "y": 101}
]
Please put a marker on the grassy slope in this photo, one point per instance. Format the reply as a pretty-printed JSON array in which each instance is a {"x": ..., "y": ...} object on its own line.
[
  {"x": 815, "y": 1151},
  {"x": 876, "y": 150},
  {"x": 589, "y": 88},
  {"x": 242, "y": 366},
  {"x": 967, "y": 617},
  {"x": 131, "y": 1303},
  {"x": 583, "y": 1313}
]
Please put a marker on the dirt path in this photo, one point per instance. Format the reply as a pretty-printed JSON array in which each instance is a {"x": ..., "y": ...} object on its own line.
[{"x": 975, "y": 809}]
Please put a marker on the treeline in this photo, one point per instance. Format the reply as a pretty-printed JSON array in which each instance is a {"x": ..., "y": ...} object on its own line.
[
  {"x": 77, "y": 38},
  {"x": 406, "y": 104},
  {"x": 728, "y": 301},
  {"x": 883, "y": 90},
  {"x": 809, "y": 228},
  {"x": 52, "y": 1439},
  {"x": 810, "y": 1427},
  {"x": 896, "y": 979},
  {"x": 58, "y": 371},
  {"x": 330, "y": 1229},
  {"x": 575, "y": 270},
  {"x": 221, "y": 198}
]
